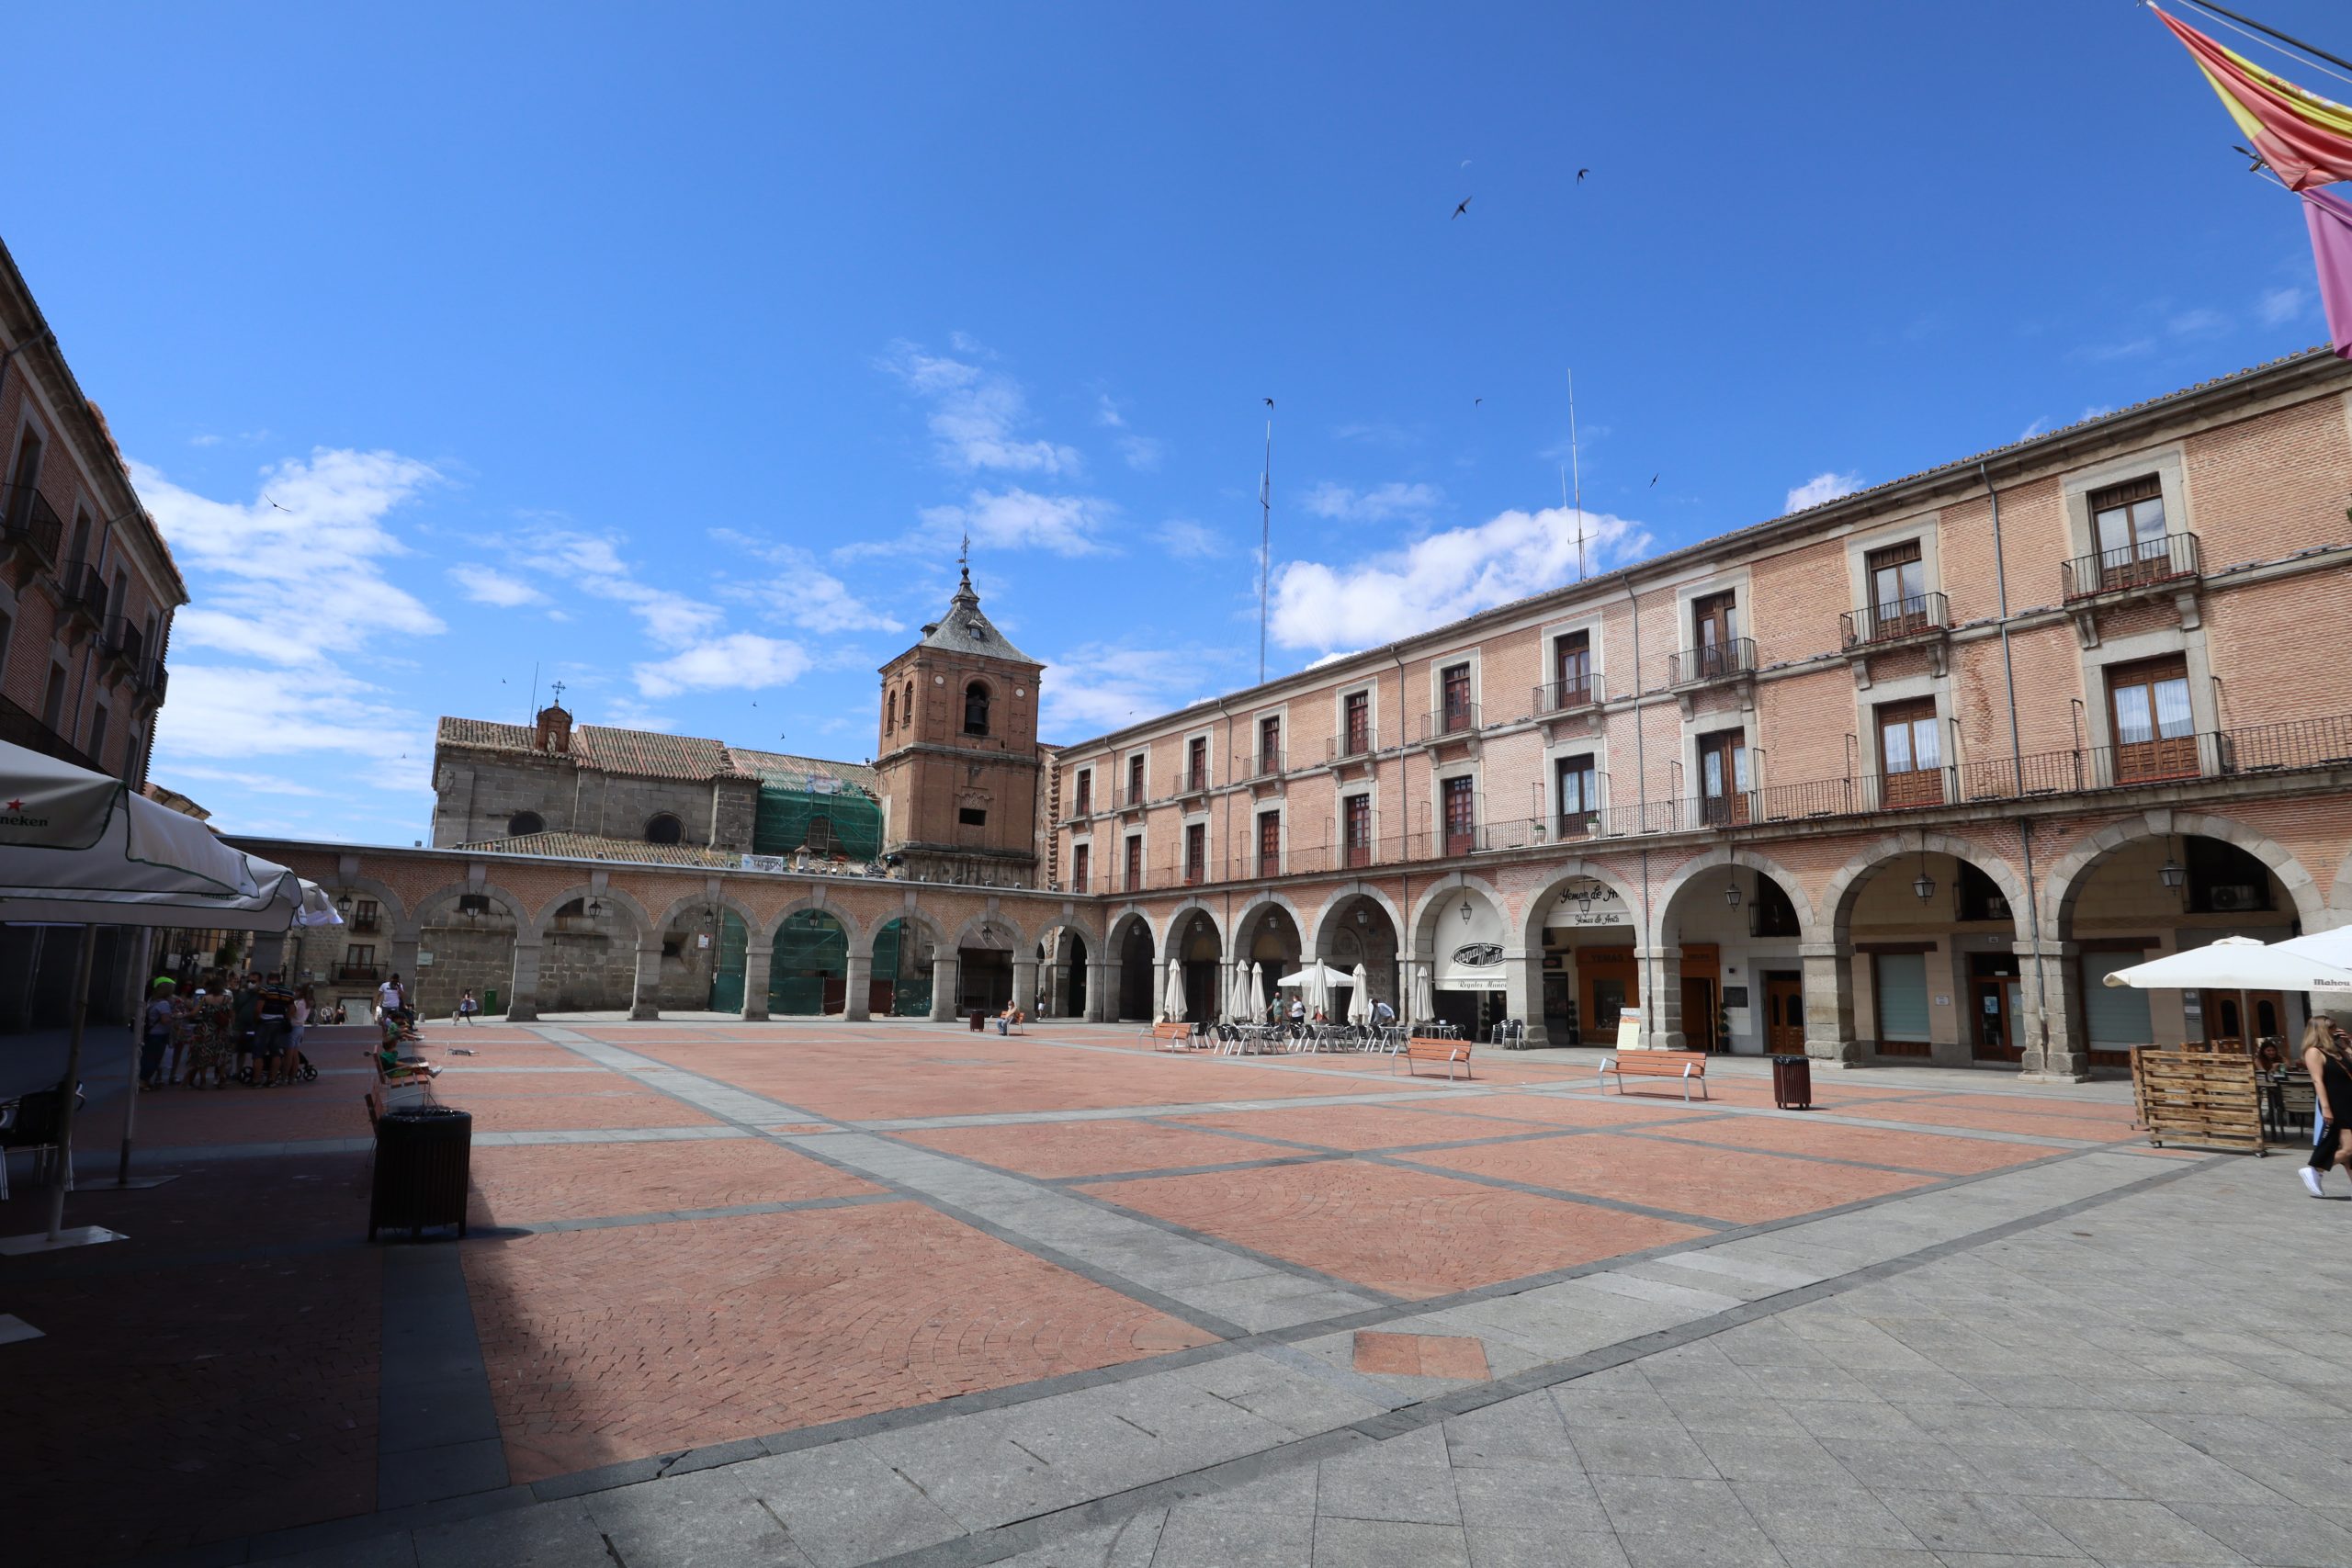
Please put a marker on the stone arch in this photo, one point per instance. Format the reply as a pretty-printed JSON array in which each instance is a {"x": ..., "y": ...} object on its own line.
[
  {"x": 2340, "y": 896},
  {"x": 696, "y": 902},
  {"x": 1114, "y": 936},
  {"x": 426, "y": 907},
  {"x": 400, "y": 923},
  {"x": 1845, "y": 886},
  {"x": 1016, "y": 938},
  {"x": 2070, "y": 871},
  {"x": 860, "y": 938},
  {"x": 1531, "y": 924},
  {"x": 1180, "y": 919},
  {"x": 1436, "y": 899},
  {"x": 1661, "y": 932},
  {"x": 914, "y": 917},
  {"x": 1245, "y": 925},
  {"x": 612, "y": 898},
  {"x": 1327, "y": 918}
]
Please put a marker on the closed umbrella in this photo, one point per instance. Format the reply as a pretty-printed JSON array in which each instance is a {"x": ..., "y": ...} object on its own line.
[
  {"x": 1319, "y": 991},
  {"x": 1172, "y": 1003},
  {"x": 1237, "y": 992},
  {"x": 1256, "y": 1000},
  {"x": 1424, "y": 999},
  {"x": 1360, "y": 1004}
]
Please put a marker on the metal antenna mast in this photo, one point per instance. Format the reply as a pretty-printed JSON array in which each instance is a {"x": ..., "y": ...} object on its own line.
[
  {"x": 1265, "y": 539},
  {"x": 1578, "y": 470}
]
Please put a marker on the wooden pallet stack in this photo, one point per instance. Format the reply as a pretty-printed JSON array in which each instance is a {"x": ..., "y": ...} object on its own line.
[{"x": 2197, "y": 1097}]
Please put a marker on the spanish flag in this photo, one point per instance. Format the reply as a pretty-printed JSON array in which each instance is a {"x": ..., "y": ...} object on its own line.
[{"x": 2305, "y": 139}]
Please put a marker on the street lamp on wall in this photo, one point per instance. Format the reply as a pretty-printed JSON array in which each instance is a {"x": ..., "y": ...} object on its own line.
[
  {"x": 2172, "y": 876},
  {"x": 1465, "y": 911},
  {"x": 1924, "y": 885}
]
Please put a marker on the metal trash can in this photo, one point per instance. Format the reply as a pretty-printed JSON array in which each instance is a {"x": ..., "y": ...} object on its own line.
[
  {"x": 1792, "y": 1083},
  {"x": 979, "y": 1021},
  {"x": 423, "y": 1160}
]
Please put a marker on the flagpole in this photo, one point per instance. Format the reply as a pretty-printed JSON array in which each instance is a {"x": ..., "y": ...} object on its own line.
[
  {"x": 2273, "y": 32},
  {"x": 1576, "y": 468}
]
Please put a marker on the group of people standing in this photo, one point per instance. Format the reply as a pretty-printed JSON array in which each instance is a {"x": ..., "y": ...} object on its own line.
[{"x": 224, "y": 1028}]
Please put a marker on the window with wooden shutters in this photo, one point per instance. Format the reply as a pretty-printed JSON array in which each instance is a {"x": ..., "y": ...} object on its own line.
[
  {"x": 1357, "y": 727},
  {"x": 1571, "y": 669},
  {"x": 1576, "y": 787},
  {"x": 1078, "y": 867},
  {"x": 1723, "y": 777},
  {"x": 2128, "y": 521},
  {"x": 1459, "y": 802},
  {"x": 1196, "y": 851},
  {"x": 1455, "y": 711},
  {"x": 1196, "y": 763},
  {"x": 1135, "y": 863},
  {"x": 1085, "y": 807},
  {"x": 1356, "y": 814},
  {"x": 1714, "y": 623},
  {"x": 2156, "y": 735},
  {"x": 1270, "y": 843},
  {"x": 1898, "y": 603},
  {"x": 1270, "y": 745},
  {"x": 1135, "y": 780},
  {"x": 1910, "y": 753}
]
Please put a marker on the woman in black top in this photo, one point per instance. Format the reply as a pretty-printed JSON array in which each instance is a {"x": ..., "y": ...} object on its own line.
[{"x": 2328, "y": 1058}]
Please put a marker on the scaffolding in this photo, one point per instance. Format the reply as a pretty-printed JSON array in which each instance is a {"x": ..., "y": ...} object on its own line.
[
  {"x": 826, "y": 815},
  {"x": 808, "y": 970}
]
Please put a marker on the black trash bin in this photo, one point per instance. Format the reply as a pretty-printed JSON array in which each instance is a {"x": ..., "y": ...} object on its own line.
[
  {"x": 978, "y": 1021},
  {"x": 1792, "y": 1083},
  {"x": 423, "y": 1157}
]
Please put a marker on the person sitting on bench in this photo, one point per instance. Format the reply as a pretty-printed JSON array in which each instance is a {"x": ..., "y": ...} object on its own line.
[{"x": 1010, "y": 1019}]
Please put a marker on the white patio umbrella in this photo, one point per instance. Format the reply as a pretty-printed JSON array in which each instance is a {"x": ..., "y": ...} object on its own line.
[
  {"x": 2237, "y": 963},
  {"x": 79, "y": 848},
  {"x": 1173, "y": 1002},
  {"x": 1310, "y": 974},
  {"x": 1256, "y": 1002},
  {"x": 1424, "y": 999},
  {"x": 2332, "y": 948},
  {"x": 1236, "y": 994},
  {"x": 1360, "y": 1004}
]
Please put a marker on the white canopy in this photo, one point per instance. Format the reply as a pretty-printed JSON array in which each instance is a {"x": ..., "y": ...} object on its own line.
[
  {"x": 2332, "y": 948},
  {"x": 78, "y": 848},
  {"x": 1312, "y": 973},
  {"x": 2235, "y": 963},
  {"x": 1172, "y": 1004},
  {"x": 1360, "y": 1003}
]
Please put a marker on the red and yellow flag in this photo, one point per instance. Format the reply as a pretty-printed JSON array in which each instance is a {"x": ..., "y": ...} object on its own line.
[{"x": 2305, "y": 139}]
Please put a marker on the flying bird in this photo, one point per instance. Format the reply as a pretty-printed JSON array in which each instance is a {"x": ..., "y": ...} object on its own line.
[
  {"x": 1460, "y": 207},
  {"x": 1653, "y": 481},
  {"x": 1580, "y": 175},
  {"x": 1269, "y": 402},
  {"x": 265, "y": 495},
  {"x": 1476, "y": 402}
]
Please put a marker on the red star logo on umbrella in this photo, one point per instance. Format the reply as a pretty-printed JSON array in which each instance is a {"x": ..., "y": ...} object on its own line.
[{"x": 15, "y": 805}]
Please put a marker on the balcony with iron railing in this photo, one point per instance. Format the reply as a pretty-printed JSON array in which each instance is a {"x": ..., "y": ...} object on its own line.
[
  {"x": 82, "y": 592},
  {"x": 2143, "y": 566},
  {"x": 124, "y": 646},
  {"x": 1266, "y": 764},
  {"x": 358, "y": 973},
  {"x": 1723, "y": 660},
  {"x": 1347, "y": 748},
  {"x": 1447, "y": 721},
  {"x": 28, "y": 523},
  {"x": 1895, "y": 621},
  {"x": 1566, "y": 697},
  {"x": 22, "y": 727},
  {"x": 1132, "y": 798},
  {"x": 1192, "y": 781}
]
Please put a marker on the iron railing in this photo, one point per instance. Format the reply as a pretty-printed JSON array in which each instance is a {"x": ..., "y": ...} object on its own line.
[
  {"x": 1340, "y": 748},
  {"x": 1194, "y": 782},
  {"x": 1912, "y": 616},
  {"x": 1565, "y": 696},
  {"x": 1714, "y": 661},
  {"x": 1134, "y": 795},
  {"x": 1266, "y": 764},
  {"x": 84, "y": 590},
  {"x": 124, "y": 644},
  {"x": 1448, "y": 719},
  {"x": 352, "y": 973},
  {"x": 28, "y": 520},
  {"x": 2143, "y": 563},
  {"x": 22, "y": 727}
]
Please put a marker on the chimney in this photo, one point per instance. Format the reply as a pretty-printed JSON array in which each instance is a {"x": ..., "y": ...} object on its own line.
[{"x": 554, "y": 732}]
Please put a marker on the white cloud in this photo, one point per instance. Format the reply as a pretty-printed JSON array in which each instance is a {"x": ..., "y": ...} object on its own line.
[
  {"x": 1825, "y": 486},
  {"x": 1384, "y": 504},
  {"x": 1142, "y": 453},
  {"x": 223, "y": 714},
  {"x": 1187, "y": 540},
  {"x": 592, "y": 563},
  {"x": 486, "y": 585},
  {"x": 976, "y": 414},
  {"x": 2278, "y": 306},
  {"x": 806, "y": 595},
  {"x": 2036, "y": 428},
  {"x": 313, "y": 534},
  {"x": 260, "y": 784},
  {"x": 1101, "y": 686},
  {"x": 2199, "y": 322},
  {"x": 739, "y": 660},
  {"x": 1106, "y": 411},
  {"x": 1443, "y": 577},
  {"x": 2099, "y": 411},
  {"x": 1374, "y": 435},
  {"x": 1014, "y": 519},
  {"x": 627, "y": 713}
]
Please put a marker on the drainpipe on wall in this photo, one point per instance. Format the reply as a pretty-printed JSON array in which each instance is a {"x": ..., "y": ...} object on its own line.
[{"x": 2016, "y": 768}]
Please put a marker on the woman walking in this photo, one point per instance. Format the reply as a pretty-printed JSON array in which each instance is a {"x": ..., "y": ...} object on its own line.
[{"x": 2327, "y": 1056}]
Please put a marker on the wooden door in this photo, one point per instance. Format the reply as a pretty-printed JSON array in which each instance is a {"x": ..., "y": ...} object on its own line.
[
  {"x": 1910, "y": 753},
  {"x": 1460, "y": 817},
  {"x": 1610, "y": 983},
  {"x": 1784, "y": 1014},
  {"x": 1714, "y": 625},
  {"x": 1898, "y": 605},
  {"x": 2155, "y": 737},
  {"x": 1698, "y": 1014},
  {"x": 1723, "y": 777},
  {"x": 1998, "y": 1012}
]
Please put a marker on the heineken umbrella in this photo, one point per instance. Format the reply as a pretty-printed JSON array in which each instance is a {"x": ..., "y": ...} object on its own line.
[
  {"x": 2238, "y": 964},
  {"x": 78, "y": 848},
  {"x": 1360, "y": 1004},
  {"x": 1313, "y": 975}
]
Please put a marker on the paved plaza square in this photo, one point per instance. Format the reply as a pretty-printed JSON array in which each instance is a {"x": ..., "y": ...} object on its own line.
[{"x": 818, "y": 1294}]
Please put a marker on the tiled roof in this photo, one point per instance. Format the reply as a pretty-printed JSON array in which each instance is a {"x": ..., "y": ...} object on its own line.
[
  {"x": 647, "y": 752},
  {"x": 592, "y": 846},
  {"x": 483, "y": 734},
  {"x": 964, "y": 630},
  {"x": 779, "y": 767}
]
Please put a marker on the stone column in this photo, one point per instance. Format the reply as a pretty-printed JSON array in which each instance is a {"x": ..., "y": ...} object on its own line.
[
  {"x": 1100, "y": 979},
  {"x": 404, "y": 962},
  {"x": 647, "y": 1003},
  {"x": 1830, "y": 1004},
  {"x": 944, "y": 972},
  {"x": 2057, "y": 1046},
  {"x": 1024, "y": 986},
  {"x": 857, "y": 990},
  {"x": 1158, "y": 989},
  {"x": 757, "y": 962},
  {"x": 1523, "y": 988},
  {"x": 269, "y": 950},
  {"x": 1662, "y": 971},
  {"x": 522, "y": 1003}
]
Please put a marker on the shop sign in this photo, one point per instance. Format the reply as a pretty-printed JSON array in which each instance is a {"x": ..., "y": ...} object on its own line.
[{"x": 1588, "y": 902}]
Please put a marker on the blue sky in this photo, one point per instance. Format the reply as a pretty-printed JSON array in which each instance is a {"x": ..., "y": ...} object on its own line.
[{"x": 673, "y": 350}]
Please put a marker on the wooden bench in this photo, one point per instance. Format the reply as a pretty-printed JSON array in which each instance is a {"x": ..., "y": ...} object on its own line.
[
  {"x": 1421, "y": 1048},
  {"x": 1171, "y": 1036},
  {"x": 1688, "y": 1066}
]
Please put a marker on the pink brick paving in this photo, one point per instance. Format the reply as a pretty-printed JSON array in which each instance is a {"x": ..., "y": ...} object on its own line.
[
  {"x": 562, "y": 1181},
  {"x": 1717, "y": 1184}
]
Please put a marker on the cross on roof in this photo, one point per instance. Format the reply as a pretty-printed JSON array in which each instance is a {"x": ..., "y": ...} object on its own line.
[
  {"x": 964, "y": 555},
  {"x": 557, "y": 689}
]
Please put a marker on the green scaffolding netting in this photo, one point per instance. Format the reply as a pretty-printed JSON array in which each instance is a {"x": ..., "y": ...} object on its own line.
[
  {"x": 894, "y": 963},
  {"x": 845, "y": 822},
  {"x": 810, "y": 949}
]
